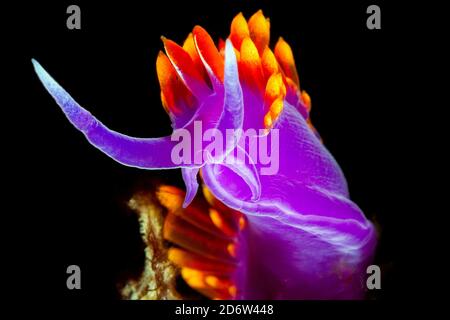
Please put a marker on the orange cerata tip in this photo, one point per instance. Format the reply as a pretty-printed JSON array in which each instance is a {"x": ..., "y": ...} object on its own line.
[
  {"x": 185, "y": 68},
  {"x": 275, "y": 88},
  {"x": 218, "y": 283},
  {"x": 251, "y": 63},
  {"x": 221, "y": 47},
  {"x": 170, "y": 197},
  {"x": 186, "y": 259},
  {"x": 285, "y": 57},
  {"x": 269, "y": 63},
  {"x": 239, "y": 30},
  {"x": 222, "y": 222},
  {"x": 268, "y": 121},
  {"x": 209, "y": 52},
  {"x": 208, "y": 284},
  {"x": 174, "y": 93},
  {"x": 259, "y": 31},
  {"x": 249, "y": 53},
  {"x": 276, "y": 108},
  {"x": 307, "y": 100},
  {"x": 189, "y": 47}
]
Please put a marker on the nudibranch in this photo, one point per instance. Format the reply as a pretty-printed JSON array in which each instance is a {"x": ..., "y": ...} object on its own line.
[{"x": 292, "y": 233}]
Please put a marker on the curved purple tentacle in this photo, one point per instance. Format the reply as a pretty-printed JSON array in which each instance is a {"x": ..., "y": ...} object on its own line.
[
  {"x": 145, "y": 153},
  {"x": 231, "y": 118},
  {"x": 191, "y": 183}
]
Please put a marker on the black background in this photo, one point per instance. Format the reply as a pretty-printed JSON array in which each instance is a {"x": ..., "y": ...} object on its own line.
[{"x": 71, "y": 198}]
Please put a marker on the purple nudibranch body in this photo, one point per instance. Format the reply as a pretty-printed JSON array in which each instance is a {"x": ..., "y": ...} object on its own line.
[{"x": 304, "y": 237}]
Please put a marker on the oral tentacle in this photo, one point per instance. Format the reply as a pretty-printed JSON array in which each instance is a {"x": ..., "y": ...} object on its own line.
[
  {"x": 230, "y": 119},
  {"x": 144, "y": 153},
  {"x": 191, "y": 183},
  {"x": 233, "y": 110}
]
